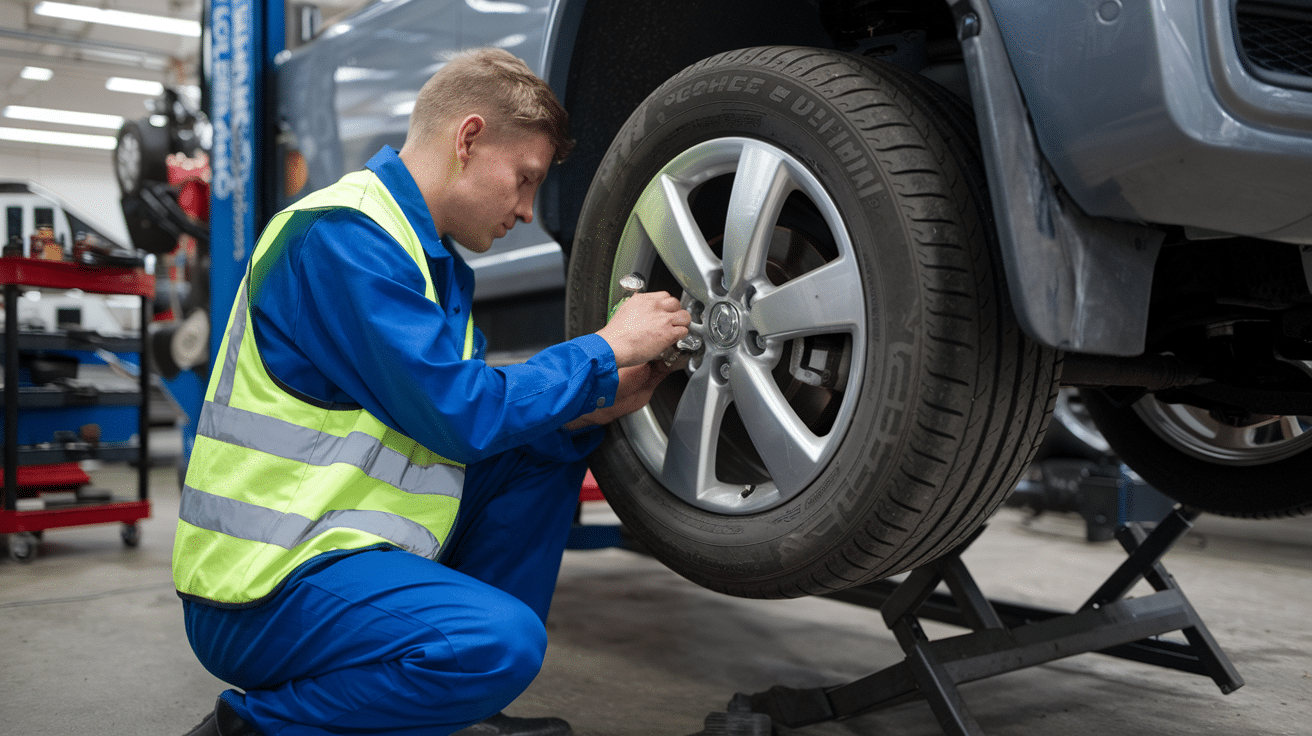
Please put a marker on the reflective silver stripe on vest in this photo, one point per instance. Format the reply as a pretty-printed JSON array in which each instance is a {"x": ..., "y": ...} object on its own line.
[
  {"x": 259, "y": 524},
  {"x": 223, "y": 392},
  {"x": 293, "y": 442}
]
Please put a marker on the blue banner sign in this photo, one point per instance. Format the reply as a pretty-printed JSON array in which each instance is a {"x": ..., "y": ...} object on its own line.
[
  {"x": 243, "y": 37},
  {"x": 232, "y": 48}
]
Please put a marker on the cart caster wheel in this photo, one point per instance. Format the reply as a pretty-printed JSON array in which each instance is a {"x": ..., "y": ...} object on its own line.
[
  {"x": 131, "y": 534},
  {"x": 22, "y": 546}
]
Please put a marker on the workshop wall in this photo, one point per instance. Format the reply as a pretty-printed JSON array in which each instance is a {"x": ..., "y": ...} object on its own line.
[{"x": 82, "y": 178}]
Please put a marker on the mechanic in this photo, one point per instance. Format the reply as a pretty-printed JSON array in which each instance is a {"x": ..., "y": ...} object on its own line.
[{"x": 373, "y": 518}]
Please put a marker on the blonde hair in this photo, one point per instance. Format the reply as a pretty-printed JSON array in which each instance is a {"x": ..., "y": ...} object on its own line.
[{"x": 497, "y": 85}]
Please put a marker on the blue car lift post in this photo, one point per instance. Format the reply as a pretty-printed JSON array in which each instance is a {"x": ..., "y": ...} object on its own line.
[
  {"x": 244, "y": 37},
  {"x": 1004, "y": 637}
]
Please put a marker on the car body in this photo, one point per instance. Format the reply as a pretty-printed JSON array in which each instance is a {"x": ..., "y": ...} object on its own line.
[{"x": 1166, "y": 149}]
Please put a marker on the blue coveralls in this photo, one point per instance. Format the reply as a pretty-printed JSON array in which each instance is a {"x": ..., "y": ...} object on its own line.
[{"x": 381, "y": 640}]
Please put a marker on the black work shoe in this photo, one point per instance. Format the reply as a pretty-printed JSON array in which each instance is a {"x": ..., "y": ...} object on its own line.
[
  {"x": 224, "y": 721},
  {"x": 504, "y": 725}
]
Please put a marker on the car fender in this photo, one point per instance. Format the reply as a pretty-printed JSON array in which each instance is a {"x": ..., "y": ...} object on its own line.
[{"x": 1076, "y": 282}]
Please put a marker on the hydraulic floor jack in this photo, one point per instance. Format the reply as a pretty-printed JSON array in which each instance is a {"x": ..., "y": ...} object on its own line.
[{"x": 1004, "y": 638}]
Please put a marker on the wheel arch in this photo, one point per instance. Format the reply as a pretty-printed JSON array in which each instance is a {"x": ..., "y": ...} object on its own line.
[
  {"x": 606, "y": 56},
  {"x": 1078, "y": 283}
]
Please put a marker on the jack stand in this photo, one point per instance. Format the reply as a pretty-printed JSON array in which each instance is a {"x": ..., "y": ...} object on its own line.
[{"x": 1004, "y": 638}]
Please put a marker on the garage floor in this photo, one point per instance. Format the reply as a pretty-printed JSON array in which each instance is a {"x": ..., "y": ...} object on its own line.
[{"x": 92, "y": 640}]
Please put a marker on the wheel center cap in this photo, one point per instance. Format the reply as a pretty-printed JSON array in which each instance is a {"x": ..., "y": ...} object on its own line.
[{"x": 724, "y": 324}]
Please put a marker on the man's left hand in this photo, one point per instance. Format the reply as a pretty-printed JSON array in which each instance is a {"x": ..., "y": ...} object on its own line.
[{"x": 636, "y": 386}]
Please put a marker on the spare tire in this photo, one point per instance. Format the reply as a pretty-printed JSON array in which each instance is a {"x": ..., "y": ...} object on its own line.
[
  {"x": 140, "y": 155},
  {"x": 864, "y": 398}
]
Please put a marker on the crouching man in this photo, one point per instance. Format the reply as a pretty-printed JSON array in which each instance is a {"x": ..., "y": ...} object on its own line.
[{"x": 373, "y": 518}]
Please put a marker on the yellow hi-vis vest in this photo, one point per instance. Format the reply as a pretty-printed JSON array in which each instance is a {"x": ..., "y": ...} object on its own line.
[{"x": 275, "y": 480}]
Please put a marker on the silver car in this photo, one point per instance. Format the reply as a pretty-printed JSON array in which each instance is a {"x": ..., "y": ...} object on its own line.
[{"x": 901, "y": 226}]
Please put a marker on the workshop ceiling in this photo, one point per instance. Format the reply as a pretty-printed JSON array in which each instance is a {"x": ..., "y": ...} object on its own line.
[{"x": 82, "y": 56}]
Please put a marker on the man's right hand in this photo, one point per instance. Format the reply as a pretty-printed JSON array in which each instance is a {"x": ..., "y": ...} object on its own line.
[{"x": 643, "y": 326}]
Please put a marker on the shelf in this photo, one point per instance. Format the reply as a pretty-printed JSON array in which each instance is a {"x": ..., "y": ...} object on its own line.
[
  {"x": 55, "y": 397},
  {"x": 83, "y": 400},
  {"x": 75, "y": 340},
  {"x": 45, "y": 454},
  {"x": 63, "y": 275},
  {"x": 13, "y": 522}
]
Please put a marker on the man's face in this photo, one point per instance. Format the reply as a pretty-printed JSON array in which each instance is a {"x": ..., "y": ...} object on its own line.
[{"x": 497, "y": 186}]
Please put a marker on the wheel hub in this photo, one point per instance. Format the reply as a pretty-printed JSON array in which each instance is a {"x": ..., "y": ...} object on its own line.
[
  {"x": 746, "y": 229},
  {"x": 724, "y": 325}
]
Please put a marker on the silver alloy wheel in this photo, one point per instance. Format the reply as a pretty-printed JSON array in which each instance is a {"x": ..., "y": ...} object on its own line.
[
  {"x": 1198, "y": 433},
  {"x": 128, "y": 160},
  {"x": 747, "y": 323}
]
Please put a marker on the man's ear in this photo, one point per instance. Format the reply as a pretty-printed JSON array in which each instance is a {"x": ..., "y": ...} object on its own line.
[{"x": 472, "y": 129}]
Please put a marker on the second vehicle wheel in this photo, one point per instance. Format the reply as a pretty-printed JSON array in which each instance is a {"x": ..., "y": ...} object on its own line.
[
  {"x": 1254, "y": 466},
  {"x": 864, "y": 398},
  {"x": 1072, "y": 433}
]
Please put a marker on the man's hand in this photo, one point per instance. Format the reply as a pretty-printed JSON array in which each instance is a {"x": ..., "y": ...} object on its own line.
[
  {"x": 636, "y": 386},
  {"x": 643, "y": 326}
]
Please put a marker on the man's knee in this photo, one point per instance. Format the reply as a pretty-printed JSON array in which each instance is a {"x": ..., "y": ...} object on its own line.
[
  {"x": 520, "y": 642},
  {"x": 504, "y": 652}
]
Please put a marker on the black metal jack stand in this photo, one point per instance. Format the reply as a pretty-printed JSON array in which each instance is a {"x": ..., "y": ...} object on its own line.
[{"x": 1004, "y": 638}]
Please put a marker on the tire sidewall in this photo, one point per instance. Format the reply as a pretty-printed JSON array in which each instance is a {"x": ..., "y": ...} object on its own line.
[{"x": 153, "y": 150}]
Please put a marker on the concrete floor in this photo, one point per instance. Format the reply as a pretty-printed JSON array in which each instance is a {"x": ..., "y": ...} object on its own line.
[{"x": 93, "y": 642}]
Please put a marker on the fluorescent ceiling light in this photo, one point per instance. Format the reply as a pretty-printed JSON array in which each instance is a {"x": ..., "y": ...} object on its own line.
[
  {"x": 135, "y": 86},
  {"x": 493, "y": 6},
  {"x": 79, "y": 140},
  {"x": 351, "y": 74},
  {"x": 69, "y": 117},
  {"x": 337, "y": 29},
  {"x": 510, "y": 41},
  {"x": 139, "y": 21},
  {"x": 147, "y": 62},
  {"x": 39, "y": 73}
]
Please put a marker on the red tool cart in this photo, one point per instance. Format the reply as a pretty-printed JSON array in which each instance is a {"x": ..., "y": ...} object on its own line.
[{"x": 53, "y": 464}]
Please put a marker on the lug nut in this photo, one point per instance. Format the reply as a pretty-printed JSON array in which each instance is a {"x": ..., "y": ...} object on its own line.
[{"x": 633, "y": 283}]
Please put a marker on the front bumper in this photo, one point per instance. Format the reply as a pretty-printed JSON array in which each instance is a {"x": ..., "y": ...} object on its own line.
[{"x": 1148, "y": 112}]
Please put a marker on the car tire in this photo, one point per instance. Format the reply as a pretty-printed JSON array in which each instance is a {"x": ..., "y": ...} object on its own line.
[
  {"x": 1258, "y": 471},
  {"x": 864, "y": 398},
  {"x": 140, "y": 155}
]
